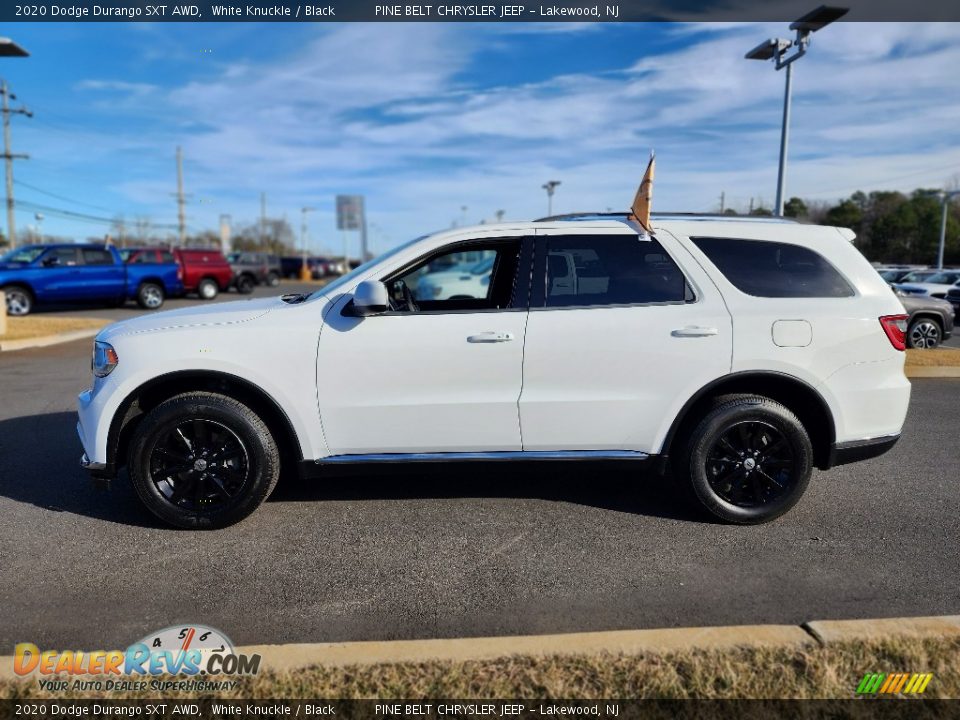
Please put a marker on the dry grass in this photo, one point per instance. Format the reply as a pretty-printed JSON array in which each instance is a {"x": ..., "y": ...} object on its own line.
[
  {"x": 32, "y": 326},
  {"x": 817, "y": 672},
  {"x": 941, "y": 357}
]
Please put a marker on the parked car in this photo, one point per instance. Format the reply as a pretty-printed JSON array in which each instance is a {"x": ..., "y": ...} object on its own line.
[
  {"x": 63, "y": 273},
  {"x": 254, "y": 268},
  {"x": 937, "y": 284},
  {"x": 739, "y": 353},
  {"x": 930, "y": 322},
  {"x": 953, "y": 297},
  {"x": 205, "y": 272},
  {"x": 469, "y": 281},
  {"x": 895, "y": 275}
]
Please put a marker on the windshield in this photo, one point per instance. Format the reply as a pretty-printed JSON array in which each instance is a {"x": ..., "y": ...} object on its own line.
[
  {"x": 344, "y": 279},
  {"x": 23, "y": 255},
  {"x": 918, "y": 276}
]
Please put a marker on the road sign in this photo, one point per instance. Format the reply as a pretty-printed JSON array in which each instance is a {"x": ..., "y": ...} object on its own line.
[{"x": 349, "y": 212}]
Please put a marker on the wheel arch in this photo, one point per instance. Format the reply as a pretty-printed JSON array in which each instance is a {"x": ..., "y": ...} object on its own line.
[
  {"x": 928, "y": 315},
  {"x": 21, "y": 284},
  {"x": 798, "y": 396},
  {"x": 153, "y": 392}
]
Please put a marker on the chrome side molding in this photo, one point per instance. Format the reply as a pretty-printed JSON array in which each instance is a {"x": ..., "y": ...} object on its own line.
[{"x": 499, "y": 455}]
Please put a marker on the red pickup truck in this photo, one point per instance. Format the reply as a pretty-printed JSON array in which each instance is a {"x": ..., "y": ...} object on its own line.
[{"x": 204, "y": 272}]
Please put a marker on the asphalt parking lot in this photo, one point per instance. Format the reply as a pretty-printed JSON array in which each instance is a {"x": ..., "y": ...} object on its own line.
[{"x": 455, "y": 552}]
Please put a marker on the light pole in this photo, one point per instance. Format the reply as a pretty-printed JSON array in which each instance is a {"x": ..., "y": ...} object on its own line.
[
  {"x": 304, "y": 270},
  {"x": 945, "y": 198},
  {"x": 550, "y": 186},
  {"x": 776, "y": 49}
]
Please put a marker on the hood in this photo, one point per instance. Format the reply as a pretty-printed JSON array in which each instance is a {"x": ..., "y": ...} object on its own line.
[{"x": 196, "y": 315}]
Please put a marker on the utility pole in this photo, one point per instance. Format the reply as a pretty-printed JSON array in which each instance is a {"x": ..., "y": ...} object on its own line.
[
  {"x": 10, "y": 156},
  {"x": 304, "y": 270},
  {"x": 181, "y": 217},
  {"x": 723, "y": 202},
  {"x": 263, "y": 218}
]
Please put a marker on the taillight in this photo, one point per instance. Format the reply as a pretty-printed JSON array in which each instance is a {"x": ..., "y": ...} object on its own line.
[{"x": 895, "y": 326}]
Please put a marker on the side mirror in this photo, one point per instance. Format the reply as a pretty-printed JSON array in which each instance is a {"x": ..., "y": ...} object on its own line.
[
  {"x": 52, "y": 261},
  {"x": 370, "y": 298}
]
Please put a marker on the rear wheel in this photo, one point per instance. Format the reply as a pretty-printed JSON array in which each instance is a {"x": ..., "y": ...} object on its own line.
[
  {"x": 150, "y": 296},
  {"x": 924, "y": 333},
  {"x": 203, "y": 460},
  {"x": 245, "y": 284},
  {"x": 749, "y": 460},
  {"x": 19, "y": 300},
  {"x": 207, "y": 289}
]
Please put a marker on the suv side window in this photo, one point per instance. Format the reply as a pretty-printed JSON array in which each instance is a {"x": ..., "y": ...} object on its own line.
[
  {"x": 592, "y": 270},
  {"x": 775, "y": 270},
  {"x": 473, "y": 276}
]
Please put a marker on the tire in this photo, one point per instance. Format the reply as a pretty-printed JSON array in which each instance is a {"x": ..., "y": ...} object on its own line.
[
  {"x": 924, "y": 334},
  {"x": 208, "y": 289},
  {"x": 19, "y": 300},
  {"x": 273, "y": 279},
  {"x": 150, "y": 296},
  {"x": 228, "y": 460},
  {"x": 748, "y": 461},
  {"x": 245, "y": 284}
]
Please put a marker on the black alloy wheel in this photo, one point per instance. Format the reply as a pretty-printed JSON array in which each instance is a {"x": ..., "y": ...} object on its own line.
[
  {"x": 203, "y": 460},
  {"x": 750, "y": 464},
  {"x": 199, "y": 465},
  {"x": 748, "y": 460}
]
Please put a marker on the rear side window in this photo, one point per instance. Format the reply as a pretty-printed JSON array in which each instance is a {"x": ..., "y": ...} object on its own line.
[
  {"x": 774, "y": 270},
  {"x": 94, "y": 256},
  {"x": 166, "y": 256},
  {"x": 586, "y": 270}
]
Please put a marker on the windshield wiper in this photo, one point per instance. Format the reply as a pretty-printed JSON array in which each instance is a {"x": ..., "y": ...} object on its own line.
[{"x": 294, "y": 298}]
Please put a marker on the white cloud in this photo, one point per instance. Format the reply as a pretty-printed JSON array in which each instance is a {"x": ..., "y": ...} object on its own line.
[{"x": 387, "y": 110}]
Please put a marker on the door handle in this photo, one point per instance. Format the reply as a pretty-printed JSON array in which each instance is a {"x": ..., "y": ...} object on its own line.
[
  {"x": 490, "y": 337},
  {"x": 695, "y": 331}
]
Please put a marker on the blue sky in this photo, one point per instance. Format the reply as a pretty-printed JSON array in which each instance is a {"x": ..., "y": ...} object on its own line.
[{"x": 425, "y": 119}]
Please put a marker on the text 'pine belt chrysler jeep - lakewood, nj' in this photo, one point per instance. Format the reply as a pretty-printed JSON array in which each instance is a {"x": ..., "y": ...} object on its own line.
[{"x": 739, "y": 354}]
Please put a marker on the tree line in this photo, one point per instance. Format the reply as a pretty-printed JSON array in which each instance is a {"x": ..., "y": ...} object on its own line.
[{"x": 891, "y": 227}]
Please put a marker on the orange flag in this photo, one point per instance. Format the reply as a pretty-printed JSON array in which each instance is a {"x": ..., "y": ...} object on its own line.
[{"x": 640, "y": 210}]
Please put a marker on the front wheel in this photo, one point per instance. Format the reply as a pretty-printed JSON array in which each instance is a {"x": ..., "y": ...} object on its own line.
[
  {"x": 19, "y": 300},
  {"x": 150, "y": 296},
  {"x": 749, "y": 460},
  {"x": 245, "y": 284},
  {"x": 203, "y": 460},
  {"x": 207, "y": 289},
  {"x": 924, "y": 334}
]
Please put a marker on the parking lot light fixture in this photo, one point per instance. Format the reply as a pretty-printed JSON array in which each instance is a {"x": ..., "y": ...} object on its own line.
[
  {"x": 8, "y": 48},
  {"x": 945, "y": 198},
  {"x": 550, "y": 186},
  {"x": 777, "y": 49}
]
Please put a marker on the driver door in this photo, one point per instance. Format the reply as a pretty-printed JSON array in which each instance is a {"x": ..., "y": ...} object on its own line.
[{"x": 430, "y": 375}]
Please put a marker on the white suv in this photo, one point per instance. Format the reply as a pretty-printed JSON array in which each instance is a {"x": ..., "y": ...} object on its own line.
[{"x": 738, "y": 354}]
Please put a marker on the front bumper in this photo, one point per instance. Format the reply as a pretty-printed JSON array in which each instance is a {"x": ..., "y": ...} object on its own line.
[{"x": 848, "y": 452}]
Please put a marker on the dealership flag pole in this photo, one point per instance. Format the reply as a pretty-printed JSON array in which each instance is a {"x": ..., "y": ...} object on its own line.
[{"x": 640, "y": 210}]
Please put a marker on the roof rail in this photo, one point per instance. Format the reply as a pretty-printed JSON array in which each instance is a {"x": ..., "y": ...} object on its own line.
[{"x": 587, "y": 216}]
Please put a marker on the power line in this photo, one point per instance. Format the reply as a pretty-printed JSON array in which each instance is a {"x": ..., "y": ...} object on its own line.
[
  {"x": 84, "y": 217},
  {"x": 59, "y": 197}
]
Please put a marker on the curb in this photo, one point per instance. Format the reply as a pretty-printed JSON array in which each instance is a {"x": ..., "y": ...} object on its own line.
[
  {"x": 45, "y": 340},
  {"x": 923, "y": 371},
  {"x": 280, "y": 658}
]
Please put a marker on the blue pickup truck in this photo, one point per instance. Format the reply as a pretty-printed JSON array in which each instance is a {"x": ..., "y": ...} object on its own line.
[{"x": 60, "y": 274}]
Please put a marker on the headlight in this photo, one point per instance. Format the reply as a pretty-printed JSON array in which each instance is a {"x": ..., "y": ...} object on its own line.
[{"x": 104, "y": 359}]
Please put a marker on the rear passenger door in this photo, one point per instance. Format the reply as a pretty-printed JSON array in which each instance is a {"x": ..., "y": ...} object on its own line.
[
  {"x": 102, "y": 277},
  {"x": 618, "y": 338}
]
